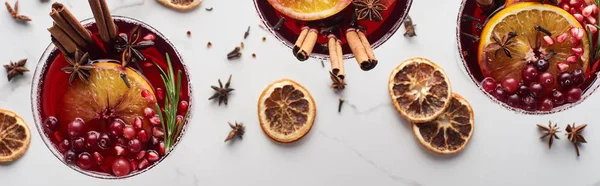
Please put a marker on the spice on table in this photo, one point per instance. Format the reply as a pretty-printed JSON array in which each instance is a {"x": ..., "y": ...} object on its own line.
[
  {"x": 340, "y": 105},
  {"x": 549, "y": 132},
  {"x": 235, "y": 53},
  {"x": 15, "y": 12},
  {"x": 338, "y": 83},
  {"x": 242, "y": 44},
  {"x": 410, "y": 27},
  {"x": 222, "y": 93},
  {"x": 574, "y": 135},
  {"x": 253, "y": 55},
  {"x": 209, "y": 9},
  {"x": 208, "y": 45},
  {"x": 189, "y": 33},
  {"x": 247, "y": 33},
  {"x": 237, "y": 129},
  {"x": 264, "y": 39},
  {"x": 79, "y": 67},
  {"x": 16, "y": 69}
]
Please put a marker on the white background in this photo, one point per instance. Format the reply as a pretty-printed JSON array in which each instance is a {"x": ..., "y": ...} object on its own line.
[{"x": 367, "y": 144}]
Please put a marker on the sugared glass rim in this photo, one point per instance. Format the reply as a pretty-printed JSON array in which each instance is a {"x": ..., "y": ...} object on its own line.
[
  {"x": 586, "y": 93},
  {"x": 36, "y": 89},
  {"x": 374, "y": 45}
]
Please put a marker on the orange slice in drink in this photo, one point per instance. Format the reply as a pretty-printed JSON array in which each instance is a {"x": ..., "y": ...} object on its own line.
[
  {"x": 309, "y": 10},
  {"x": 14, "y": 136}
]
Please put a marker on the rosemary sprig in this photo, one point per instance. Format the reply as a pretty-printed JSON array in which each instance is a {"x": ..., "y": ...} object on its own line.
[{"x": 172, "y": 90}]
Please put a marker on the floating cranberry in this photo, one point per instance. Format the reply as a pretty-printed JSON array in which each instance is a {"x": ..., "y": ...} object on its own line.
[
  {"x": 529, "y": 103},
  {"x": 76, "y": 128},
  {"x": 135, "y": 145},
  {"x": 64, "y": 145},
  {"x": 104, "y": 141},
  {"x": 574, "y": 95},
  {"x": 140, "y": 155},
  {"x": 79, "y": 144},
  {"x": 565, "y": 80},
  {"x": 523, "y": 90},
  {"x": 536, "y": 89},
  {"x": 149, "y": 112},
  {"x": 51, "y": 124},
  {"x": 542, "y": 65},
  {"x": 143, "y": 164},
  {"x": 547, "y": 80},
  {"x": 488, "y": 84},
  {"x": 182, "y": 107},
  {"x": 153, "y": 156},
  {"x": 530, "y": 73},
  {"x": 116, "y": 127},
  {"x": 558, "y": 97},
  {"x": 155, "y": 120},
  {"x": 98, "y": 157},
  {"x": 514, "y": 100},
  {"x": 129, "y": 132},
  {"x": 510, "y": 84},
  {"x": 143, "y": 136},
  {"x": 147, "y": 95},
  {"x": 546, "y": 104},
  {"x": 70, "y": 157},
  {"x": 121, "y": 167},
  {"x": 158, "y": 132},
  {"x": 119, "y": 151},
  {"x": 160, "y": 93},
  {"x": 578, "y": 77},
  {"x": 84, "y": 161},
  {"x": 137, "y": 123},
  {"x": 92, "y": 139}
]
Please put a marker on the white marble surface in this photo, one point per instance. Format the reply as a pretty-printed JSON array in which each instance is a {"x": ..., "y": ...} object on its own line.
[{"x": 368, "y": 144}]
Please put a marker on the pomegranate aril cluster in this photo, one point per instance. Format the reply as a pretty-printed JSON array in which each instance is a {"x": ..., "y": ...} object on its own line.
[{"x": 582, "y": 11}]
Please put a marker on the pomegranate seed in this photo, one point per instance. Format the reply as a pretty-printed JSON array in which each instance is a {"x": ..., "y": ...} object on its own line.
[
  {"x": 143, "y": 136},
  {"x": 546, "y": 104},
  {"x": 58, "y": 136},
  {"x": 121, "y": 167},
  {"x": 591, "y": 28},
  {"x": 140, "y": 155},
  {"x": 575, "y": 2},
  {"x": 161, "y": 148},
  {"x": 557, "y": 97},
  {"x": 147, "y": 95},
  {"x": 121, "y": 141},
  {"x": 116, "y": 127},
  {"x": 84, "y": 161},
  {"x": 104, "y": 141},
  {"x": 119, "y": 150},
  {"x": 182, "y": 107},
  {"x": 155, "y": 120},
  {"x": 573, "y": 10},
  {"x": 51, "y": 124},
  {"x": 579, "y": 17},
  {"x": 135, "y": 145},
  {"x": 179, "y": 120},
  {"x": 579, "y": 33},
  {"x": 565, "y": 6},
  {"x": 92, "y": 139},
  {"x": 149, "y": 112},
  {"x": 562, "y": 37},
  {"x": 574, "y": 95},
  {"x": 64, "y": 145},
  {"x": 70, "y": 157},
  {"x": 523, "y": 90},
  {"x": 152, "y": 156},
  {"x": 562, "y": 67},
  {"x": 548, "y": 40},
  {"x": 134, "y": 165},
  {"x": 160, "y": 93},
  {"x": 587, "y": 11},
  {"x": 578, "y": 51},
  {"x": 98, "y": 157},
  {"x": 148, "y": 64},
  {"x": 143, "y": 163},
  {"x": 137, "y": 123},
  {"x": 79, "y": 144},
  {"x": 591, "y": 20},
  {"x": 129, "y": 132},
  {"x": 572, "y": 59},
  {"x": 150, "y": 37},
  {"x": 76, "y": 127},
  {"x": 157, "y": 132},
  {"x": 594, "y": 8},
  {"x": 154, "y": 140}
]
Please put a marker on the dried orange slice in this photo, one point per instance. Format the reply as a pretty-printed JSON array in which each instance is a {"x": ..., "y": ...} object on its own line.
[
  {"x": 14, "y": 136},
  {"x": 451, "y": 131},
  {"x": 309, "y": 10},
  {"x": 420, "y": 90},
  {"x": 183, "y": 5},
  {"x": 286, "y": 111}
]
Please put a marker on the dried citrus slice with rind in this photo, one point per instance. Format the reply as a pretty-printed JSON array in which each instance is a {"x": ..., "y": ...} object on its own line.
[
  {"x": 15, "y": 136},
  {"x": 309, "y": 10},
  {"x": 182, "y": 5},
  {"x": 420, "y": 90},
  {"x": 286, "y": 111},
  {"x": 451, "y": 131}
]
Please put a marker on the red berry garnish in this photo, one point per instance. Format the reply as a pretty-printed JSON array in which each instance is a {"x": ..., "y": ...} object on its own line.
[
  {"x": 98, "y": 157},
  {"x": 64, "y": 145},
  {"x": 547, "y": 80},
  {"x": 578, "y": 77},
  {"x": 500, "y": 93},
  {"x": 161, "y": 148},
  {"x": 546, "y": 104},
  {"x": 182, "y": 107},
  {"x": 119, "y": 151},
  {"x": 150, "y": 37},
  {"x": 514, "y": 100},
  {"x": 153, "y": 156},
  {"x": 149, "y": 112},
  {"x": 160, "y": 93},
  {"x": 179, "y": 120},
  {"x": 565, "y": 80},
  {"x": 147, "y": 95},
  {"x": 70, "y": 157},
  {"x": 129, "y": 132},
  {"x": 529, "y": 103},
  {"x": 523, "y": 90},
  {"x": 135, "y": 145},
  {"x": 116, "y": 127},
  {"x": 92, "y": 139},
  {"x": 143, "y": 136},
  {"x": 574, "y": 95},
  {"x": 530, "y": 73},
  {"x": 140, "y": 155},
  {"x": 562, "y": 67},
  {"x": 51, "y": 124},
  {"x": 104, "y": 141},
  {"x": 158, "y": 132},
  {"x": 137, "y": 123},
  {"x": 121, "y": 167},
  {"x": 154, "y": 140},
  {"x": 143, "y": 164},
  {"x": 558, "y": 97},
  {"x": 134, "y": 165},
  {"x": 84, "y": 161},
  {"x": 536, "y": 89},
  {"x": 79, "y": 144},
  {"x": 510, "y": 84},
  {"x": 489, "y": 84},
  {"x": 76, "y": 128},
  {"x": 155, "y": 120}
]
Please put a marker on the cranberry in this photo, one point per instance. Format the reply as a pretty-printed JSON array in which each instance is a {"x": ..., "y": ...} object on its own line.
[
  {"x": 116, "y": 127},
  {"x": 135, "y": 145},
  {"x": 557, "y": 97},
  {"x": 546, "y": 104},
  {"x": 70, "y": 157},
  {"x": 529, "y": 103},
  {"x": 160, "y": 93},
  {"x": 129, "y": 132},
  {"x": 542, "y": 65},
  {"x": 565, "y": 80},
  {"x": 536, "y": 89},
  {"x": 121, "y": 141},
  {"x": 84, "y": 161},
  {"x": 104, "y": 141},
  {"x": 138, "y": 123},
  {"x": 578, "y": 77},
  {"x": 574, "y": 95},
  {"x": 153, "y": 155},
  {"x": 98, "y": 157},
  {"x": 158, "y": 132},
  {"x": 143, "y": 164},
  {"x": 514, "y": 100},
  {"x": 119, "y": 151},
  {"x": 76, "y": 127},
  {"x": 92, "y": 138},
  {"x": 64, "y": 145},
  {"x": 79, "y": 144},
  {"x": 51, "y": 124},
  {"x": 547, "y": 80},
  {"x": 510, "y": 84},
  {"x": 488, "y": 84},
  {"x": 121, "y": 167},
  {"x": 143, "y": 136},
  {"x": 182, "y": 107},
  {"x": 523, "y": 90},
  {"x": 149, "y": 112},
  {"x": 529, "y": 73},
  {"x": 140, "y": 155}
]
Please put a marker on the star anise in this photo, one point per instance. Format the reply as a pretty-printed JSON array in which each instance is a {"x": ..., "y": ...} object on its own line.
[
  {"x": 15, "y": 12},
  {"x": 222, "y": 92},
  {"x": 130, "y": 47},
  {"x": 338, "y": 83},
  {"x": 501, "y": 44},
  {"x": 549, "y": 131},
  {"x": 15, "y": 69},
  {"x": 369, "y": 9},
  {"x": 574, "y": 135},
  {"x": 79, "y": 67},
  {"x": 237, "y": 129}
]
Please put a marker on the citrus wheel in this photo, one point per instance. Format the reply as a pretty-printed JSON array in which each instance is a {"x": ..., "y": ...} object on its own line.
[
  {"x": 183, "y": 5},
  {"x": 308, "y": 10},
  {"x": 286, "y": 111},
  {"x": 106, "y": 96},
  {"x": 451, "y": 131},
  {"x": 513, "y": 2},
  {"x": 14, "y": 136},
  {"x": 548, "y": 28},
  {"x": 420, "y": 90}
]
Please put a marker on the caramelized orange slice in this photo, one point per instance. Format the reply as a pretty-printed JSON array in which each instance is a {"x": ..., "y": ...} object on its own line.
[{"x": 14, "y": 136}]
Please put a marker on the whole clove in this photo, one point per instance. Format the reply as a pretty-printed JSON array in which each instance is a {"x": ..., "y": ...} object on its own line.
[
  {"x": 279, "y": 23},
  {"x": 340, "y": 105},
  {"x": 209, "y": 9},
  {"x": 235, "y": 53},
  {"x": 247, "y": 32}
]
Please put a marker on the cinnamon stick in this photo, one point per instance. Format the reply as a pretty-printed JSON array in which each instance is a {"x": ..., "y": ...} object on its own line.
[
  {"x": 59, "y": 46},
  {"x": 70, "y": 25},
  {"x": 358, "y": 49},
  {"x": 106, "y": 26},
  {"x": 342, "y": 73},
  {"x": 308, "y": 45},
  {"x": 333, "y": 56},
  {"x": 63, "y": 40},
  {"x": 368, "y": 49},
  {"x": 300, "y": 40}
]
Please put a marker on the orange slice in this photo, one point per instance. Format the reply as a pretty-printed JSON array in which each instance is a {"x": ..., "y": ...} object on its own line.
[
  {"x": 309, "y": 10},
  {"x": 14, "y": 136},
  {"x": 451, "y": 131},
  {"x": 420, "y": 90},
  {"x": 106, "y": 96},
  {"x": 286, "y": 111},
  {"x": 525, "y": 48},
  {"x": 183, "y": 5},
  {"x": 512, "y": 2}
]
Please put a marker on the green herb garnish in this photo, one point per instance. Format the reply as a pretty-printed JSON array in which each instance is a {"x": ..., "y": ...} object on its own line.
[{"x": 172, "y": 90}]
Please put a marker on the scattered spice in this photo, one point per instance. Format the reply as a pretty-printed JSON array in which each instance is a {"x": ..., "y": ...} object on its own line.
[
  {"x": 473, "y": 37},
  {"x": 15, "y": 12},
  {"x": 222, "y": 93},
  {"x": 209, "y": 9},
  {"x": 369, "y": 9},
  {"x": 253, "y": 55},
  {"x": 549, "y": 132},
  {"x": 130, "y": 47},
  {"x": 189, "y": 33},
  {"x": 247, "y": 32},
  {"x": 237, "y": 129},
  {"x": 79, "y": 67},
  {"x": 410, "y": 27},
  {"x": 574, "y": 135},
  {"x": 338, "y": 83},
  {"x": 242, "y": 44},
  {"x": 279, "y": 23},
  {"x": 235, "y": 53},
  {"x": 340, "y": 105},
  {"x": 264, "y": 38},
  {"x": 501, "y": 44},
  {"x": 16, "y": 69},
  {"x": 209, "y": 44}
]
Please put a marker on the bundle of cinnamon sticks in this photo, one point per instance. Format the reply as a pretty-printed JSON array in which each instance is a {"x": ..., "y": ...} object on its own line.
[
  {"x": 336, "y": 56},
  {"x": 69, "y": 35},
  {"x": 305, "y": 43},
  {"x": 361, "y": 48}
]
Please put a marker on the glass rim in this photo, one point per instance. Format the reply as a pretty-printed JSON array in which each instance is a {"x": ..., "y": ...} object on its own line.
[
  {"x": 587, "y": 92},
  {"x": 37, "y": 81}
]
